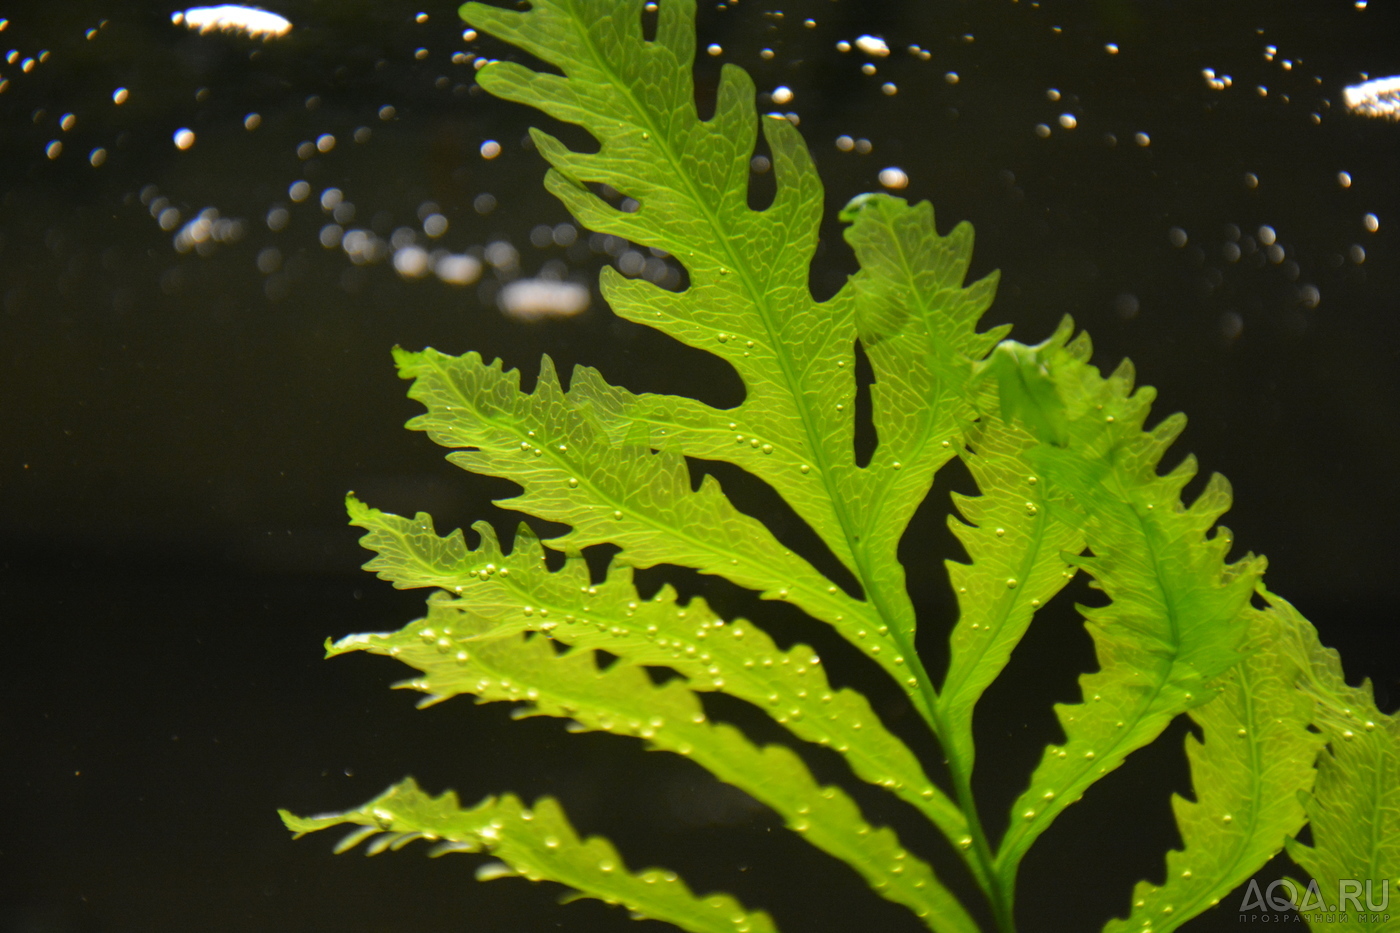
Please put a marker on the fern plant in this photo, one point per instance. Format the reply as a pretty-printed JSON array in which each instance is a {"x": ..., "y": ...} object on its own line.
[{"x": 1068, "y": 481}]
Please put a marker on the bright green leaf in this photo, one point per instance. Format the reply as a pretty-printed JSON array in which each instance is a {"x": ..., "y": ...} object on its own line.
[{"x": 537, "y": 844}]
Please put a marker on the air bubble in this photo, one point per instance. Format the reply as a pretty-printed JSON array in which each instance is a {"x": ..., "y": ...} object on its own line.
[
  {"x": 894, "y": 178},
  {"x": 873, "y": 46}
]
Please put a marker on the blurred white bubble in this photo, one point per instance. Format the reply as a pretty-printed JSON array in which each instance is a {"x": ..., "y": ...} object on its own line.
[
  {"x": 184, "y": 138},
  {"x": 362, "y": 246},
  {"x": 232, "y": 17},
  {"x": 435, "y": 225},
  {"x": 872, "y": 45},
  {"x": 299, "y": 191},
  {"x": 534, "y": 299},
  {"x": 412, "y": 262},
  {"x": 782, "y": 95},
  {"x": 457, "y": 268},
  {"x": 490, "y": 149},
  {"x": 894, "y": 178},
  {"x": 502, "y": 255},
  {"x": 1231, "y": 325},
  {"x": 205, "y": 231},
  {"x": 1377, "y": 98}
]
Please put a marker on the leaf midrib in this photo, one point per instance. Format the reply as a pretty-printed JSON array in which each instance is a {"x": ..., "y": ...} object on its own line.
[
  {"x": 759, "y": 300},
  {"x": 1009, "y": 856}
]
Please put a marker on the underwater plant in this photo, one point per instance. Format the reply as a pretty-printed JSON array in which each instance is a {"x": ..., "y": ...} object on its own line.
[{"x": 1068, "y": 483}]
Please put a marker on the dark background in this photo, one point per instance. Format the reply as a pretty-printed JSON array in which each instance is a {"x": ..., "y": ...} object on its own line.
[{"x": 177, "y": 431}]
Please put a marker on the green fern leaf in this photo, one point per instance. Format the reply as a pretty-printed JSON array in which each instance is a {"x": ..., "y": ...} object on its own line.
[
  {"x": 459, "y": 653},
  {"x": 625, "y": 494},
  {"x": 537, "y": 844},
  {"x": 1177, "y": 613},
  {"x": 1255, "y": 757},
  {"x": 1067, "y": 482},
  {"x": 515, "y": 592},
  {"x": 1017, "y": 543},
  {"x": 1354, "y": 806},
  {"x": 749, "y": 301}
]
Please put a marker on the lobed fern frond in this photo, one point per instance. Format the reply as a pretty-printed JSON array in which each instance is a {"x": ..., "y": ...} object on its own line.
[{"x": 1068, "y": 481}]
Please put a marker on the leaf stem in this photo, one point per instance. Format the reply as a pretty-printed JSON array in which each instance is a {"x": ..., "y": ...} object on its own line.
[{"x": 1000, "y": 893}]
